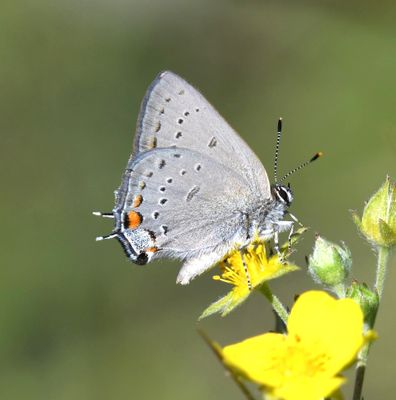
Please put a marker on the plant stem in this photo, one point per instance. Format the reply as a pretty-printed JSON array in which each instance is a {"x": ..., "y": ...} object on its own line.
[
  {"x": 383, "y": 256},
  {"x": 278, "y": 307},
  {"x": 360, "y": 371},
  {"x": 340, "y": 290},
  {"x": 382, "y": 264},
  {"x": 357, "y": 391}
]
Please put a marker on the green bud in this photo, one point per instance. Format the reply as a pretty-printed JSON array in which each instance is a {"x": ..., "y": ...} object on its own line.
[
  {"x": 367, "y": 300},
  {"x": 329, "y": 264},
  {"x": 378, "y": 223}
]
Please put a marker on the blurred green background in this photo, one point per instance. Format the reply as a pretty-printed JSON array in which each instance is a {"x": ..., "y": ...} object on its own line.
[{"x": 77, "y": 320}]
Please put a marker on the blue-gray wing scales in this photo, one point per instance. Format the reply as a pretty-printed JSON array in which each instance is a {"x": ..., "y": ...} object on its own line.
[
  {"x": 194, "y": 207},
  {"x": 188, "y": 200},
  {"x": 174, "y": 113},
  {"x": 198, "y": 179}
]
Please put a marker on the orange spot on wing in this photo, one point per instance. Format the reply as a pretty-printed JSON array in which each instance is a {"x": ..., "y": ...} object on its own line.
[
  {"x": 134, "y": 219},
  {"x": 151, "y": 250},
  {"x": 137, "y": 200}
]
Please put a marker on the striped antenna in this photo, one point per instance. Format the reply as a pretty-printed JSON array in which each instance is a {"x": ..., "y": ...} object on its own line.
[
  {"x": 278, "y": 138},
  {"x": 315, "y": 157}
]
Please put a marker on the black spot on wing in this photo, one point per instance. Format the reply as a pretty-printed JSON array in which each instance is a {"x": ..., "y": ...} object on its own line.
[
  {"x": 213, "y": 142},
  {"x": 193, "y": 191}
]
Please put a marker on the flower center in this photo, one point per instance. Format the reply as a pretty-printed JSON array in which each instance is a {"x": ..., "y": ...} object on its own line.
[
  {"x": 300, "y": 360},
  {"x": 244, "y": 267}
]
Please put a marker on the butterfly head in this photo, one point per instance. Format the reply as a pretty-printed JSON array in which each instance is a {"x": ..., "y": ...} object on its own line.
[{"x": 283, "y": 194}]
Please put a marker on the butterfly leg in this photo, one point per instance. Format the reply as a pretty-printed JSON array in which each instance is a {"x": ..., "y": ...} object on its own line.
[
  {"x": 289, "y": 238},
  {"x": 249, "y": 282},
  {"x": 281, "y": 226},
  {"x": 294, "y": 218},
  {"x": 276, "y": 240}
]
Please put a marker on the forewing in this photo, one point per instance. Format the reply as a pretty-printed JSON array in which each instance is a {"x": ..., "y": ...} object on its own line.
[
  {"x": 173, "y": 113},
  {"x": 189, "y": 201}
]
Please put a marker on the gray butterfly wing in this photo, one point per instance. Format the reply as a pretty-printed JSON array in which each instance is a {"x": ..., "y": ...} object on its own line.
[
  {"x": 173, "y": 113},
  {"x": 194, "y": 207}
]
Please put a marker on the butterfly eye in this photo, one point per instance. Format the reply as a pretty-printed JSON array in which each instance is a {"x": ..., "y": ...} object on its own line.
[{"x": 285, "y": 195}]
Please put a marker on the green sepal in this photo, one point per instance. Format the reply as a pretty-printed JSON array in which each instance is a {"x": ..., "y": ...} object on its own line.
[
  {"x": 387, "y": 233},
  {"x": 367, "y": 299},
  {"x": 329, "y": 264},
  {"x": 378, "y": 223}
]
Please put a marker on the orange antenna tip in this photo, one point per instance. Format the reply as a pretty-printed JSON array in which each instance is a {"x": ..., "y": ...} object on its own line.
[{"x": 316, "y": 156}]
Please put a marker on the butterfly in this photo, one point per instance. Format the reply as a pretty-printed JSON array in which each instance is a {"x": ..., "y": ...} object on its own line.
[{"x": 193, "y": 189}]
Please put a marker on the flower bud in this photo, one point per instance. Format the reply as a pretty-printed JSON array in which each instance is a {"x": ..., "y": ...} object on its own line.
[
  {"x": 329, "y": 263},
  {"x": 378, "y": 223},
  {"x": 367, "y": 299}
]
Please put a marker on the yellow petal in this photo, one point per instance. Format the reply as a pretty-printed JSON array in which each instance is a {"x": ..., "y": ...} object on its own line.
[
  {"x": 336, "y": 326},
  {"x": 307, "y": 388},
  {"x": 246, "y": 270},
  {"x": 264, "y": 359},
  {"x": 255, "y": 358},
  {"x": 226, "y": 303}
]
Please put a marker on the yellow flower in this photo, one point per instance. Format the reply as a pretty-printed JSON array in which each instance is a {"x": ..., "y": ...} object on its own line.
[
  {"x": 247, "y": 269},
  {"x": 324, "y": 336}
]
